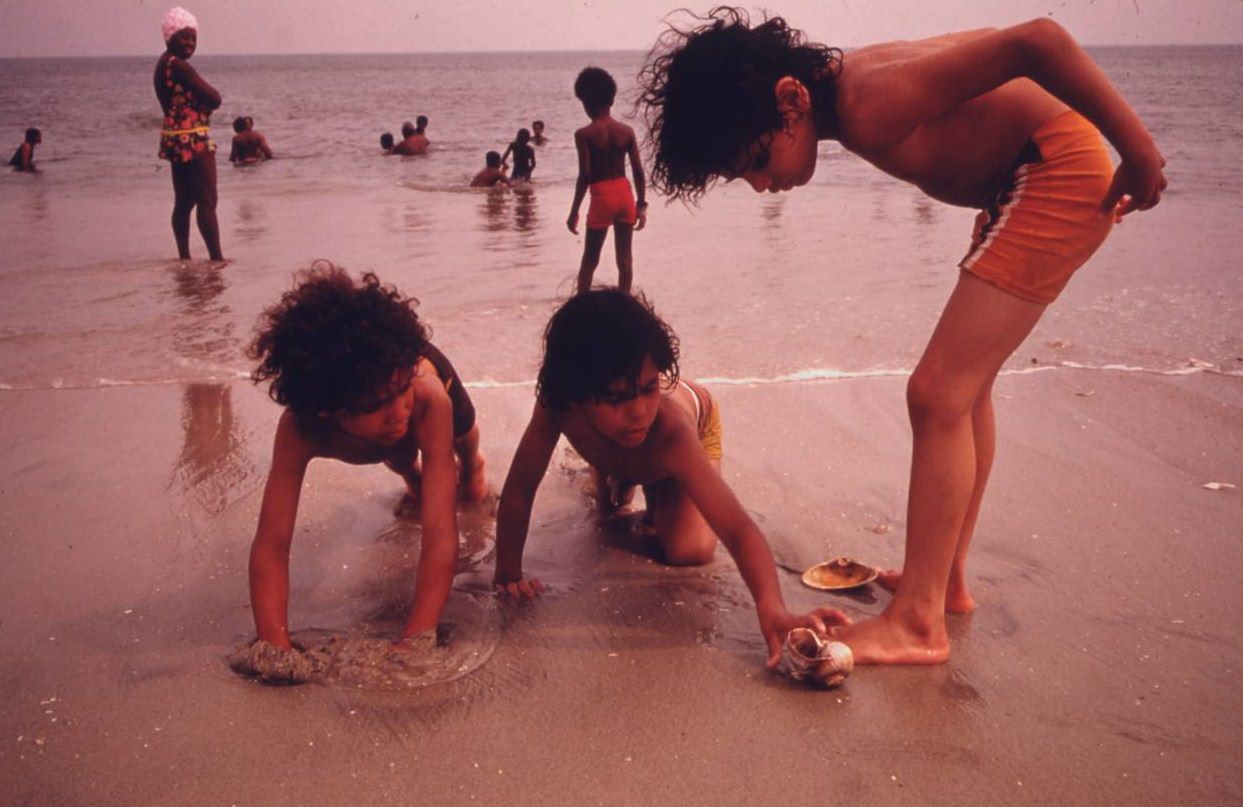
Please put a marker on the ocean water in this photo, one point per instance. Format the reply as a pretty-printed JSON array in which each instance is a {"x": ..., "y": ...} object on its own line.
[{"x": 845, "y": 276}]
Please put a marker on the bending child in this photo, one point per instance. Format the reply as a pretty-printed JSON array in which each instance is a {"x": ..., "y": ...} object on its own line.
[
  {"x": 1001, "y": 120},
  {"x": 603, "y": 146},
  {"x": 360, "y": 383},
  {"x": 609, "y": 383}
]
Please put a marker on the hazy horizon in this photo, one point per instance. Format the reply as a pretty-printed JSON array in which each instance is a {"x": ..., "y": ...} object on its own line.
[{"x": 89, "y": 28}]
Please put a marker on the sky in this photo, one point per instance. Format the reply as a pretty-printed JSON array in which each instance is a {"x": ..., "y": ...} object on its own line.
[{"x": 132, "y": 27}]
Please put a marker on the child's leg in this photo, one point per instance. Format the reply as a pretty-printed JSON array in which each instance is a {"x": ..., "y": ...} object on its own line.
[
  {"x": 958, "y": 599},
  {"x": 183, "y": 203},
  {"x": 593, "y": 242},
  {"x": 683, "y": 532},
  {"x": 623, "y": 235},
  {"x": 472, "y": 484},
  {"x": 205, "y": 189},
  {"x": 978, "y": 330}
]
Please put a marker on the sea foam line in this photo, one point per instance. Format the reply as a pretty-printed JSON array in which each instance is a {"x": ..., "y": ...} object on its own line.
[{"x": 810, "y": 374}]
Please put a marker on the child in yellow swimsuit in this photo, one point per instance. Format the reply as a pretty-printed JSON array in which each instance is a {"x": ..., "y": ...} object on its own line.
[
  {"x": 1002, "y": 120},
  {"x": 609, "y": 383}
]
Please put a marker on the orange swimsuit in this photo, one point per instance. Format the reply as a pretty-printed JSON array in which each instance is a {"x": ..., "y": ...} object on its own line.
[
  {"x": 612, "y": 202},
  {"x": 1043, "y": 224}
]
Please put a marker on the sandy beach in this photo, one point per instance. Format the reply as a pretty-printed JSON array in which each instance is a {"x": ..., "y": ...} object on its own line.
[{"x": 1101, "y": 667}]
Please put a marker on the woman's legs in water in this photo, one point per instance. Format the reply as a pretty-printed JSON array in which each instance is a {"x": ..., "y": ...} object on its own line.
[{"x": 194, "y": 186}]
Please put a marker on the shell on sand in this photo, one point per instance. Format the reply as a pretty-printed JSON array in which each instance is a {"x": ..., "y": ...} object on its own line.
[
  {"x": 839, "y": 574},
  {"x": 809, "y": 658}
]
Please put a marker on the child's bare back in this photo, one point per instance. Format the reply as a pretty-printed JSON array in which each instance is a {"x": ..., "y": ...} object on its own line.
[{"x": 607, "y": 141}]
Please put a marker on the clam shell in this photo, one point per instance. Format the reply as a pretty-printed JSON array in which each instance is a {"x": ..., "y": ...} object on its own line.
[{"x": 839, "y": 574}]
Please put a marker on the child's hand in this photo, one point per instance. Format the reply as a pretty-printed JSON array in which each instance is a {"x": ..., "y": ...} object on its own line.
[
  {"x": 572, "y": 222},
  {"x": 775, "y": 624},
  {"x": 1137, "y": 185},
  {"x": 519, "y": 590},
  {"x": 641, "y": 221}
]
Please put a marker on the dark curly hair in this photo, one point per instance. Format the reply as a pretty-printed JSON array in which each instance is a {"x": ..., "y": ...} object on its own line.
[
  {"x": 335, "y": 346},
  {"x": 708, "y": 94},
  {"x": 597, "y": 337},
  {"x": 595, "y": 88}
]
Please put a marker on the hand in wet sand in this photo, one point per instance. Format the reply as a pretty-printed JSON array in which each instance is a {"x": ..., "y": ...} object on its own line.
[{"x": 776, "y": 623}]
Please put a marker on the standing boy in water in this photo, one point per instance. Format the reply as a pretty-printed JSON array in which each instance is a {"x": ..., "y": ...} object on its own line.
[
  {"x": 609, "y": 382},
  {"x": 524, "y": 156},
  {"x": 24, "y": 158},
  {"x": 603, "y": 146},
  {"x": 1001, "y": 120},
  {"x": 360, "y": 383}
]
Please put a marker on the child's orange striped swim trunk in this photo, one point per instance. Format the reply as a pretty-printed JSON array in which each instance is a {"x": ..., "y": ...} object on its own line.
[{"x": 1043, "y": 224}]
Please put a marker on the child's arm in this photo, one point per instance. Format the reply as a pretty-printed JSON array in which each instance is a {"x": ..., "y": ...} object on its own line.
[
  {"x": 233, "y": 155},
  {"x": 26, "y": 157},
  {"x": 688, "y": 464},
  {"x": 580, "y": 185},
  {"x": 640, "y": 182},
  {"x": 513, "y": 515},
  {"x": 895, "y": 100},
  {"x": 188, "y": 76},
  {"x": 263, "y": 146},
  {"x": 269, "y": 554},
  {"x": 438, "y": 557}
]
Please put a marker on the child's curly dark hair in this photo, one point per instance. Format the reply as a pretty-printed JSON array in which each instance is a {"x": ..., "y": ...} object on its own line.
[
  {"x": 708, "y": 93},
  {"x": 335, "y": 346},
  {"x": 595, "y": 88},
  {"x": 597, "y": 337}
]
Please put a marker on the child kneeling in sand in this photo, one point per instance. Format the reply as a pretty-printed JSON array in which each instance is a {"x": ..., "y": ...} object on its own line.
[
  {"x": 360, "y": 382},
  {"x": 609, "y": 383}
]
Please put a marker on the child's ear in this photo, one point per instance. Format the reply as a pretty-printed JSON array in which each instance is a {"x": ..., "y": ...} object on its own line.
[{"x": 792, "y": 96}]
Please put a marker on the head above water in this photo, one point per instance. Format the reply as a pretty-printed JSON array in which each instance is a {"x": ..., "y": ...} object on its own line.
[
  {"x": 523, "y": 135},
  {"x": 492, "y": 159},
  {"x": 33, "y": 135},
  {"x": 239, "y": 124},
  {"x": 596, "y": 89},
  {"x": 709, "y": 94},
  {"x": 407, "y": 129},
  {"x": 420, "y": 123},
  {"x": 597, "y": 338},
  {"x": 537, "y": 127},
  {"x": 336, "y": 346},
  {"x": 386, "y": 140}
]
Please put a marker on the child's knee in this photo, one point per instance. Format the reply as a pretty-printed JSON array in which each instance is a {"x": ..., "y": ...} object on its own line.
[
  {"x": 933, "y": 397},
  {"x": 690, "y": 550}
]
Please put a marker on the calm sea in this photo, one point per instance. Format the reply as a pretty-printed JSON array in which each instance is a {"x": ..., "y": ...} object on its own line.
[{"x": 844, "y": 276}]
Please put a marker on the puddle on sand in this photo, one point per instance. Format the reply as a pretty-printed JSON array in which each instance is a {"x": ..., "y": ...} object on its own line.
[{"x": 469, "y": 632}]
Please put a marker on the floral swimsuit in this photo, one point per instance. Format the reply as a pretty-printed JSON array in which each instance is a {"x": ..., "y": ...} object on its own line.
[{"x": 186, "y": 135}]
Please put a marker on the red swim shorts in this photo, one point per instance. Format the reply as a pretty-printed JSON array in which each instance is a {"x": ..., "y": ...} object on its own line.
[
  {"x": 612, "y": 202},
  {"x": 1044, "y": 223}
]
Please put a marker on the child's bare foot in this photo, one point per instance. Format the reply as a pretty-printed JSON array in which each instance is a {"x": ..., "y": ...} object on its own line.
[
  {"x": 958, "y": 599},
  {"x": 473, "y": 486},
  {"x": 887, "y": 639}
]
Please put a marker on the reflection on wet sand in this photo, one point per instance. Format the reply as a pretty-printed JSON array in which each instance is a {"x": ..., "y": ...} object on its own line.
[
  {"x": 526, "y": 208},
  {"x": 212, "y": 466},
  {"x": 251, "y": 221}
]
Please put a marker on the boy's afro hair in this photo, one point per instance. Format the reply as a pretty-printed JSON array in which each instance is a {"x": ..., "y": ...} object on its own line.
[
  {"x": 335, "y": 346},
  {"x": 597, "y": 337},
  {"x": 595, "y": 87},
  {"x": 707, "y": 93}
]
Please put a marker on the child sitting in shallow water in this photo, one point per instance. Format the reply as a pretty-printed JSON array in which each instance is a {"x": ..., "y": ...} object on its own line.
[
  {"x": 360, "y": 383},
  {"x": 609, "y": 383}
]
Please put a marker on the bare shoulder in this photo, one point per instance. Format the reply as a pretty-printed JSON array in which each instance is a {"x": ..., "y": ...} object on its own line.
[{"x": 294, "y": 443}]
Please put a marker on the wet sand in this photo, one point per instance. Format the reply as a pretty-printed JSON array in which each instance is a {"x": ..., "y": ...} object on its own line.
[{"x": 1102, "y": 665}]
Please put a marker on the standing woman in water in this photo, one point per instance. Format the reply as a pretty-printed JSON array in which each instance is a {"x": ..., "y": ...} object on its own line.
[{"x": 185, "y": 140}]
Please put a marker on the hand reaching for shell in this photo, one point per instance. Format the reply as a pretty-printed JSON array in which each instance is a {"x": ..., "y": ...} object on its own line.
[{"x": 777, "y": 623}]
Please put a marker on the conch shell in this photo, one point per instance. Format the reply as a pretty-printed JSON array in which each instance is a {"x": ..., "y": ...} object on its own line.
[{"x": 809, "y": 658}]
